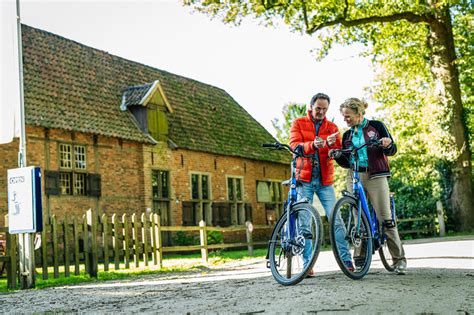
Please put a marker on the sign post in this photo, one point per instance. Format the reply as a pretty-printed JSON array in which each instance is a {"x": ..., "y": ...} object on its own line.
[{"x": 25, "y": 216}]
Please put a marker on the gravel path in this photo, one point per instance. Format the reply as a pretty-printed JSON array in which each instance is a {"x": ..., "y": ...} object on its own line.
[{"x": 440, "y": 280}]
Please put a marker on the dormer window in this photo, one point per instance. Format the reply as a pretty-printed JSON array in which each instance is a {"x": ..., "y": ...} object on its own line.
[{"x": 149, "y": 106}]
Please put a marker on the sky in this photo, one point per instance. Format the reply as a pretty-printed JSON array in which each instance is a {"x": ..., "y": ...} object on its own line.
[{"x": 261, "y": 68}]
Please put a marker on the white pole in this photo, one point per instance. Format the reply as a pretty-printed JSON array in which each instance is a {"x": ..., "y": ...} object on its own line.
[
  {"x": 26, "y": 249},
  {"x": 22, "y": 150}
]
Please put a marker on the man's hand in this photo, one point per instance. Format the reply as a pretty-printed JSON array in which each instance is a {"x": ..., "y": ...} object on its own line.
[
  {"x": 331, "y": 139},
  {"x": 385, "y": 142},
  {"x": 319, "y": 143}
]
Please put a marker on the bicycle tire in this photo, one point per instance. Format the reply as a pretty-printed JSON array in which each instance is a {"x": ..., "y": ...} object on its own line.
[
  {"x": 345, "y": 209},
  {"x": 385, "y": 256},
  {"x": 287, "y": 266}
]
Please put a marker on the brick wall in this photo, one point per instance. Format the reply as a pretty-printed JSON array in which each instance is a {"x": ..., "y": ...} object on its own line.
[
  {"x": 118, "y": 162},
  {"x": 125, "y": 168},
  {"x": 185, "y": 162}
]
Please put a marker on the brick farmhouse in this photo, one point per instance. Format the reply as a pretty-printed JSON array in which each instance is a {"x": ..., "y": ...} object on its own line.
[{"x": 118, "y": 136}]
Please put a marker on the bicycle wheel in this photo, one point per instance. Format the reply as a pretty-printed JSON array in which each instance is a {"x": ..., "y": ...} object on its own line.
[
  {"x": 385, "y": 257},
  {"x": 287, "y": 264},
  {"x": 351, "y": 242}
]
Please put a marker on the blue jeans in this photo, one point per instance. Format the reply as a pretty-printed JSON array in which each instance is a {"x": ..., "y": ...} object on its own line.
[{"x": 327, "y": 196}]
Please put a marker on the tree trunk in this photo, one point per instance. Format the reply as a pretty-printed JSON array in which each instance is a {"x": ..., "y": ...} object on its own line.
[{"x": 447, "y": 77}]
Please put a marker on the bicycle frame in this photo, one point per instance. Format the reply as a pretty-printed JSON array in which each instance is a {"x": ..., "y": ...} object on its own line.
[
  {"x": 362, "y": 203},
  {"x": 359, "y": 194},
  {"x": 292, "y": 192},
  {"x": 292, "y": 197}
]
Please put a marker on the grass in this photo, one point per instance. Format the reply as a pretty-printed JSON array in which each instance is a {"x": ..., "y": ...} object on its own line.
[{"x": 171, "y": 263}]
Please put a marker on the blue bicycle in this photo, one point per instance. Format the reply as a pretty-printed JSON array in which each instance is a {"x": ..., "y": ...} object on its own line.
[
  {"x": 296, "y": 239},
  {"x": 362, "y": 229}
]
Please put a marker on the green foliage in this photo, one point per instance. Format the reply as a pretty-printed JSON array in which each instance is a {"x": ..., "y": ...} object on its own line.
[
  {"x": 290, "y": 112},
  {"x": 415, "y": 87},
  {"x": 182, "y": 238},
  {"x": 214, "y": 237}
]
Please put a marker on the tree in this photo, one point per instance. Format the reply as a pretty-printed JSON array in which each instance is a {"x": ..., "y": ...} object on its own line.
[
  {"x": 414, "y": 39},
  {"x": 290, "y": 112}
]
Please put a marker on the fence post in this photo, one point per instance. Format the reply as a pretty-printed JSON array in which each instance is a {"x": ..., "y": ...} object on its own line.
[
  {"x": 76, "y": 246},
  {"x": 66, "y": 246},
  {"x": 203, "y": 239},
  {"x": 92, "y": 233},
  {"x": 116, "y": 241},
  {"x": 440, "y": 211},
  {"x": 126, "y": 241},
  {"x": 248, "y": 232},
  {"x": 136, "y": 246},
  {"x": 145, "y": 238},
  {"x": 54, "y": 235},
  {"x": 105, "y": 240},
  {"x": 159, "y": 241}
]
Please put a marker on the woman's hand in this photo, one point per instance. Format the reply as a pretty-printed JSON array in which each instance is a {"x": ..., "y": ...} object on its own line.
[
  {"x": 331, "y": 139},
  {"x": 386, "y": 142}
]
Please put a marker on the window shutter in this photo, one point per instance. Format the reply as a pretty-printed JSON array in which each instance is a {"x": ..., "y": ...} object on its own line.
[
  {"x": 225, "y": 216},
  {"x": 215, "y": 214},
  {"x": 162, "y": 124},
  {"x": 248, "y": 212},
  {"x": 51, "y": 183},
  {"x": 153, "y": 121},
  {"x": 188, "y": 218},
  {"x": 93, "y": 185}
]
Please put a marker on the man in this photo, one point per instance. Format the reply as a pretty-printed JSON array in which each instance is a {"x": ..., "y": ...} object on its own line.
[{"x": 317, "y": 136}]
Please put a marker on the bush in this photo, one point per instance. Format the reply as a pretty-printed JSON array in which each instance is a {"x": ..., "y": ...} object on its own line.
[
  {"x": 215, "y": 237},
  {"x": 182, "y": 238}
]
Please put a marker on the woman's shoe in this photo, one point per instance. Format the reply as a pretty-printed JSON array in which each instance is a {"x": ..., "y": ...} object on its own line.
[{"x": 400, "y": 267}]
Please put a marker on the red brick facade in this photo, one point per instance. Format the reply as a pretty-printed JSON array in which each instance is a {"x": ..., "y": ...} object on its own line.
[{"x": 125, "y": 168}]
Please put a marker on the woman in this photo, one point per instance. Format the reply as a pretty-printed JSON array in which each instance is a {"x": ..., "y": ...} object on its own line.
[{"x": 373, "y": 169}]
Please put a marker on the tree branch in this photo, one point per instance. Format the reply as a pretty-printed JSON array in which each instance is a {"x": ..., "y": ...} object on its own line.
[
  {"x": 345, "y": 9},
  {"x": 408, "y": 16},
  {"x": 305, "y": 15}
]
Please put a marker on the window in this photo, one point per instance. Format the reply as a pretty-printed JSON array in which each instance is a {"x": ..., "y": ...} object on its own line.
[
  {"x": 199, "y": 208},
  {"x": 235, "y": 194},
  {"x": 161, "y": 200},
  {"x": 271, "y": 193},
  {"x": 72, "y": 165},
  {"x": 160, "y": 186}
]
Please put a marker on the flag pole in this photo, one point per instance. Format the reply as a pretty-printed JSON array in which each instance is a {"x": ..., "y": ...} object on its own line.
[
  {"x": 26, "y": 248},
  {"x": 22, "y": 150}
]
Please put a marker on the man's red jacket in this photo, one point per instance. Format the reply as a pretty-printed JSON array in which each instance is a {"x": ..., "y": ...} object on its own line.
[{"x": 303, "y": 133}]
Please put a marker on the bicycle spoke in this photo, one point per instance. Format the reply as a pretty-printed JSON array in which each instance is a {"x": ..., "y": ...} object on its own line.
[{"x": 288, "y": 262}]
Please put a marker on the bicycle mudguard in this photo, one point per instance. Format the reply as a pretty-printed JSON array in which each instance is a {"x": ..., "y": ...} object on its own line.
[
  {"x": 302, "y": 201},
  {"x": 347, "y": 193}
]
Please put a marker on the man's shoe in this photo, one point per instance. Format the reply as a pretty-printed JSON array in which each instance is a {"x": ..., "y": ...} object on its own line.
[
  {"x": 310, "y": 274},
  {"x": 400, "y": 267},
  {"x": 349, "y": 265}
]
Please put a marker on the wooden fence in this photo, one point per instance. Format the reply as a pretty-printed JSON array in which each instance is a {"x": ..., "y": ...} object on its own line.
[
  {"x": 115, "y": 242},
  {"x": 124, "y": 242}
]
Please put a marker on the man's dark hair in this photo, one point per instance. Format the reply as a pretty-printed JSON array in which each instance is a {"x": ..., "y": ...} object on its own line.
[{"x": 320, "y": 96}]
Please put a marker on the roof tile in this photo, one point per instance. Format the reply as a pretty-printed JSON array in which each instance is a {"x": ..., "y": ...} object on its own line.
[{"x": 74, "y": 87}]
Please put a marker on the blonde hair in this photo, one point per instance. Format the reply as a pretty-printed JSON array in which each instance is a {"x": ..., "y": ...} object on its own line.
[{"x": 355, "y": 104}]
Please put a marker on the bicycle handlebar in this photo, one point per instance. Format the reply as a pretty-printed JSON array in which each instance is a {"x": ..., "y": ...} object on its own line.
[
  {"x": 337, "y": 152},
  {"x": 297, "y": 151}
]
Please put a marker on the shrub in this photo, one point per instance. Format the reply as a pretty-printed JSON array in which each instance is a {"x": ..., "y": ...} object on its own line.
[{"x": 214, "y": 237}]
